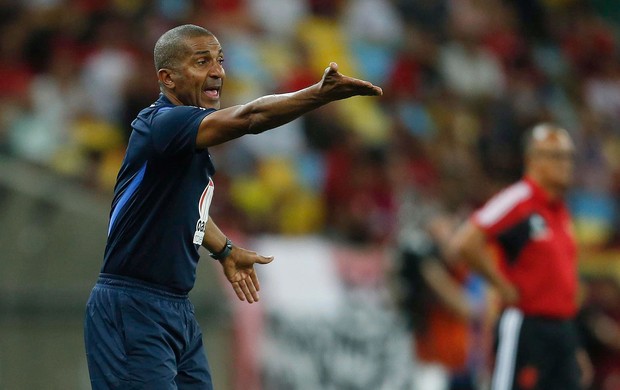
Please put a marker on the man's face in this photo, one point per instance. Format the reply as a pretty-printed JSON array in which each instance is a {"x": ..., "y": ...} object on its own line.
[
  {"x": 552, "y": 159},
  {"x": 200, "y": 76}
]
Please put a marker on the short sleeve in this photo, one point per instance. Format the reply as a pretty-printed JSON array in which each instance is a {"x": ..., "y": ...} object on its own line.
[
  {"x": 503, "y": 209},
  {"x": 174, "y": 129}
]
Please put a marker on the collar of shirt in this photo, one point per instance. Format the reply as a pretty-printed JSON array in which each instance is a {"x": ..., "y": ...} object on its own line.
[{"x": 542, "y": 196}]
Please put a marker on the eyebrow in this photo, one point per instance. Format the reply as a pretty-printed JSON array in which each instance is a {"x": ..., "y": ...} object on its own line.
[{"x": 203, "y": 52}]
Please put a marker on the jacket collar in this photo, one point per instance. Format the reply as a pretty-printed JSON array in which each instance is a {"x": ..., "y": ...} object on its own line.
[{"x": 541, "y": 195}]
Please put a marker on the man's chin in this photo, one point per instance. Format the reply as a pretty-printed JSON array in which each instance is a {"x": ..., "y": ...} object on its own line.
[
  {"x": 564, "y": 187},
  {"x": 211, "y": 105}
]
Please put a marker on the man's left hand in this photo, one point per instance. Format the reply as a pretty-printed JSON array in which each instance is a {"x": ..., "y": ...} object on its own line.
[{"x": 239, "y": 270}]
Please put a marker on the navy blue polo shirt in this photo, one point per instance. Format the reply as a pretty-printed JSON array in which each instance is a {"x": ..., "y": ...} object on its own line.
[{"x": 161, "y": 199}]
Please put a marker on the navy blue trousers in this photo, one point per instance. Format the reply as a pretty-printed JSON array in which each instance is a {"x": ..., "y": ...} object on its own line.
[{"x": 141, "y": 337}]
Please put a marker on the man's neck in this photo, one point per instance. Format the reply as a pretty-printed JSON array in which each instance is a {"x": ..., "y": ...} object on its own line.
[
  {"x": 552, "y": 192},
  {"x": 173, "y": 99}
]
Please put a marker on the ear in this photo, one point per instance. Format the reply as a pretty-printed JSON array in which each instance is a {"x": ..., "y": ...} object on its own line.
[{"x": 164, "y": 76}]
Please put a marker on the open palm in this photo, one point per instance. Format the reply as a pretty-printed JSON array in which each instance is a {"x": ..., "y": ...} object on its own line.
[{"x": 239, "y": 270}]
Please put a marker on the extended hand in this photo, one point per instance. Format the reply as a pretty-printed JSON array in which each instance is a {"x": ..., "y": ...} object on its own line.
[
  {"x": 239, "y": 270},
  {"x": 336, "y": 86}
]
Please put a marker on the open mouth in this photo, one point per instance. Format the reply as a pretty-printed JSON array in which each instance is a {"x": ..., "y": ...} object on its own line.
[{"x": 212, "y": 93}]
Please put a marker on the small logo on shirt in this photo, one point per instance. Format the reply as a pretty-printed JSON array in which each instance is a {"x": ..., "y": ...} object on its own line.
[
  {"x": 203, "y": 208},
  {"x": 538, "y": 227}
]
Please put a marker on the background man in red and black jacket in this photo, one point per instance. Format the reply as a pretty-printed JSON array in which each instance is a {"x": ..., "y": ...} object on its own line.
[{"x": 522, "y": 242}]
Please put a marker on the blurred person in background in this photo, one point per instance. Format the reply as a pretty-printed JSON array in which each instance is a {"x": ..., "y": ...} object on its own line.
[
  {"x": 528, "y": 227},
  {"x": 140, "y": 329},
  {"x": 435, "y": 301},
  {"x": 599, "y": 322},
  {"x": 439, "y": 300}
]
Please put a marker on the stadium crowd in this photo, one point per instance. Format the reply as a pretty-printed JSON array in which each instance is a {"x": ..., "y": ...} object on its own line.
[{"x": 462, "y": 80}]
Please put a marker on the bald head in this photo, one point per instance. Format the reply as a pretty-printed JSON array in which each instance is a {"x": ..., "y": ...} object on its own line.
[
  {"x": 549, "y": 154},
  {"x": 543, "y": 134},
  {"x": 171, "y": 48}
]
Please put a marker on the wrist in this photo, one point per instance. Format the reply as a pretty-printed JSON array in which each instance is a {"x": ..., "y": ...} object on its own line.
[
  {"x": 316, "y": 94},
  {"x": 224, "y": 252}
]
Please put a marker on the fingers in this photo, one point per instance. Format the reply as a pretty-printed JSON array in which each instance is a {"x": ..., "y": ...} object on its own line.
[
  {"x": 255, "y": 281},
  {"x": 369, "y": 88},
  {"x": 247, "y": 289},
  {"x": 238, "y": 291},
  {"x": 360, "y": 87},
  {"x": 357, "y": 86},
  {"x": 252, "y": 289},
  {"x": 372, "y": 90},
  {"x": 254, "y": 277}
]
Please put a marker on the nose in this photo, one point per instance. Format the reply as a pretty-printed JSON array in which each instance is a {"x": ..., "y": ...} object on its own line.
[{"x": 217, "y": 71}]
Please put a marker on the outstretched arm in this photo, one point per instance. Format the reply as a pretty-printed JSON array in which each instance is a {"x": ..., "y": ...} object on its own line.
[
  {"x": 272, "y": 111},
  {"x": 238, "y": 265}
]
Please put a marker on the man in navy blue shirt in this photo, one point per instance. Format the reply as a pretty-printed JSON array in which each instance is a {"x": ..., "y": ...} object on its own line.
[{"x": 140, "y": 330}]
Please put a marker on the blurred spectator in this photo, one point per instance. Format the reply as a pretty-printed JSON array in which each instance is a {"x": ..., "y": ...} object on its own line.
[
  {"x": 373, "y": 30},
  {"x": 57, "y": 100},
  {"x": 414, "y": 70},
  {"x": 588, "y": 42},
  {"x": 287, "y": 13},
  {"x": 13, "y": 69},
  {"x": 469, "y": 69},
  {"x": 600, "y": 324},
  {"x": 533, "y": 17},
  {"x": 108, "y": 68},
  {"x": 358, "y": 192},
  {"x": 140, "y": 91},
  {"x": 602, "y": 90},
  {"x": 434, "y": 296},
  {"x": 428, "y": 15},
  {"x": 592, "y": 202}
]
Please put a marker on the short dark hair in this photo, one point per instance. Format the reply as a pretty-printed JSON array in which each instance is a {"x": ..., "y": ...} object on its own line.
[{"x": 171, "y": 47}]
